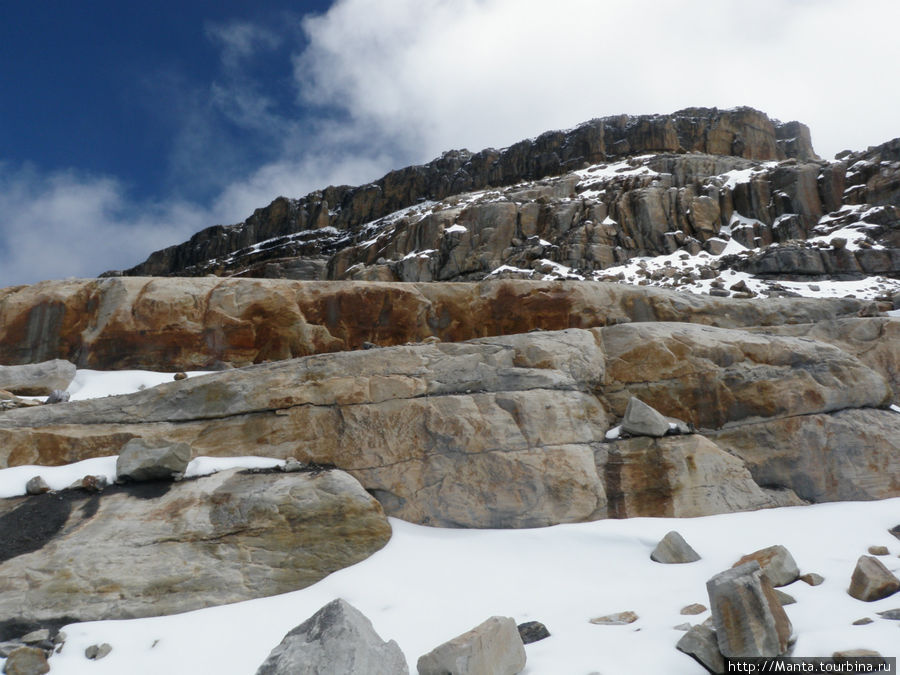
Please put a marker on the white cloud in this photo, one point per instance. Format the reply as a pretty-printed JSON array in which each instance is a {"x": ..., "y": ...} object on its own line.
[
  {"x": 441, "y": 74},
  {"x": 382, "y": 84}
]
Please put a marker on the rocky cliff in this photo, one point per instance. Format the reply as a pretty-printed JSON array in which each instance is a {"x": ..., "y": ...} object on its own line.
[{"x": 583, "y": 204}]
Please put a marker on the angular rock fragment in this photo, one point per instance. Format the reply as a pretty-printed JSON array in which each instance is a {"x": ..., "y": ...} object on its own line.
[
  {"x": 57, "y": 396},
  {"x": 892, "y": 614},
  {"x": 748, "y": 619},
  {"x": 336, "y": 639},
  {"x": 812, "y": 578},
  {"x": 141, "y": 460},
  {"x": 872, "y": 581},
  {"x": 700, "y": 642},
  {"x": 777, "y": 563},
  {"x": 532, "y": 631},
  {"x": 878, "y": 550},
  {"x": 693, "y": 609},
  {"x": 865, "y": 621},
  {"x": 642, "y": 420},
  {"x": 673, "y": 549},
  {"x": 493, "y": 646},
  {"x": 784, "y": 598}
]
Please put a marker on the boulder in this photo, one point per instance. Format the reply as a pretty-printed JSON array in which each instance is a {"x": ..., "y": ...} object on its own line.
[
  {"x": 878, "y": 550},
  {"x": 97, "y": 652},
  {"x": 812, "y": 578},
  {"x": 700, "y": 643},
  {"x": 121, "y": 554},
  {"x": 37, "y": 379},
  {"x": 777, "y": 564},
  {"x": 891, "y": 614},
  {"x": 491, "y": 647},
  {"x": 673, "y": 549},
  {"x": 26, "y": 661},
  {"x": 642, "y": 420},
  {"x": 872, "y": 581},
  {"x": 748, "y": 619},
  {"x": 143, "y": 460},
  {"x": 336, "y": 639}
]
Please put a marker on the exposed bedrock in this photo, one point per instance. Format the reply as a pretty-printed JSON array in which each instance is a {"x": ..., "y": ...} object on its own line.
[
  {"x": 158, "y": 548},
  {"x": 191, "y": 323},
  {"x": 509, "y": 431}
]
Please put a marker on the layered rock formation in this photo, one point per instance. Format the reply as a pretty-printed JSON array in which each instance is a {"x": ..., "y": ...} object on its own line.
[
  {"x": 307, "y": 224},
  {"x": 583, "y": 203},
  {"x": 511, "y": 431},
  {"x": 203, "y": 323}
]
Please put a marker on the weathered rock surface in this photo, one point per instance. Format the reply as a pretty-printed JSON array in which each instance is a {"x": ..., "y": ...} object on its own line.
[
  {"x": 300, "y": 236},
  {"x": 748, "y": 619},
  {"x": 509, "y": 431},
  {"x": 336, "y": 639},
  {"x": 37, "y": 379},
  {"x": 848, "y": 455},
  {"x": 183, "y": 324},
  {"x": 160, "y": 548},
  {"x": 673, "y": 549},
  {"x": 491, "y": 647},
  {"x": 872, "y": 581},
  {"x": 776, "y": 562},
  {"x": 616, "y": 619},
  {"x": 677, "y": 476},
  {"x": 711, "y": 376},
  {"x": 140, "y": 460}
]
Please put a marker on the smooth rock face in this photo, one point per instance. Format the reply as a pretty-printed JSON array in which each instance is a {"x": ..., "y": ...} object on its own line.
[
  {"x": 673, "y": 549},
  {"x": 701, "y": 643},
  {"x": 642, "y": 420},
  {"x": 491, "y": 647},
  {"x": 777, "y": 563},
  {"x": 37, "y": 379},
  {"x": 122, "y": 554},
  {"x": 872, "y": 581},
  {"x": 748, "y": 619},
  {"x": 336, "y": 639},
  {"x": 189, "y": 324},
  {"x": 141, "y": 460}
]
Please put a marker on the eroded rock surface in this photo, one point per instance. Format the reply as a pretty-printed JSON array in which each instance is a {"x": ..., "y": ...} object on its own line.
[{"x": 161, "y": 548}]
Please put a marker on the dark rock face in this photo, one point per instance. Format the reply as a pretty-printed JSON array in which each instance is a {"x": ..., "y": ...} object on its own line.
[{"x": 296, "y": 237}]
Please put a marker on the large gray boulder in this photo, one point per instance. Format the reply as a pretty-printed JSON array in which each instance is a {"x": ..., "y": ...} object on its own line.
[
  {"x": 700, "y": 642},
  {"x": 37, "y": 379},
  {"x": 493, "y": 646},
  {"x": 748, "y": 619},
  {"x": 147, "y": 549},
  {"x": 336, "y": 640},
  {"x": 140, "y": 460}
]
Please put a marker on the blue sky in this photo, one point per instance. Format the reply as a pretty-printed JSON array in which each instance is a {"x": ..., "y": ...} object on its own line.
[{"x": 126, "y": 127}]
